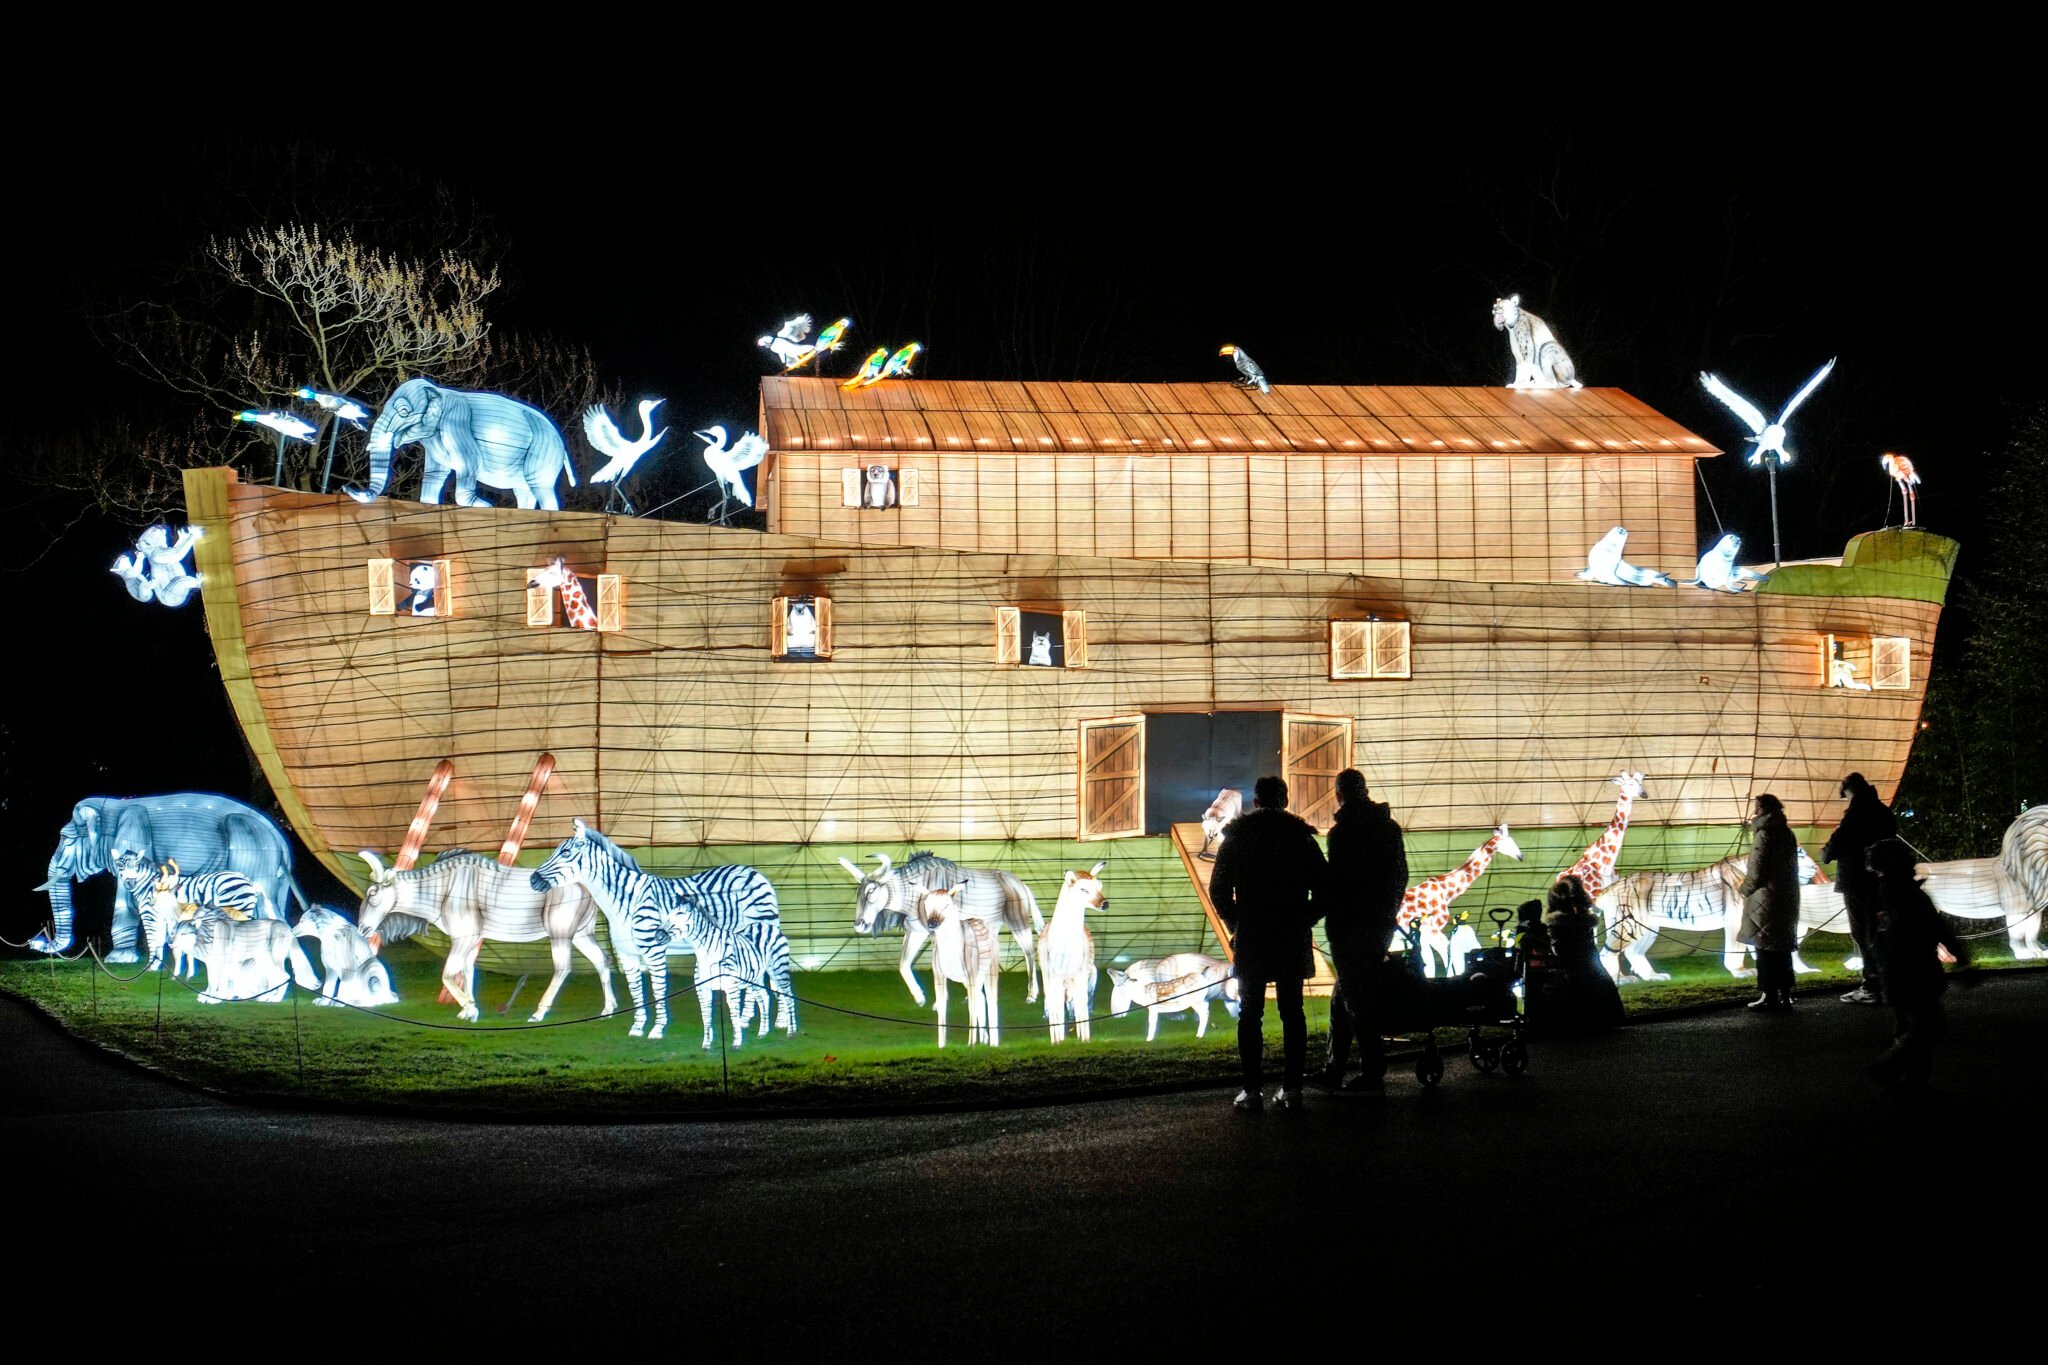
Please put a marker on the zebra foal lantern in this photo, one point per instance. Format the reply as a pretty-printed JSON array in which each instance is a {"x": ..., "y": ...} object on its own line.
[{"x": 728, "y": 916}]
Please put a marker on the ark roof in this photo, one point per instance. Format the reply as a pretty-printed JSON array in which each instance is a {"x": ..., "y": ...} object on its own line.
[{"x": 1217, "y": 418}]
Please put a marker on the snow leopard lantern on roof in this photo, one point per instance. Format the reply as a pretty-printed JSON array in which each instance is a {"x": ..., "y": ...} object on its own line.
[{"x": 1540, "y": 362}]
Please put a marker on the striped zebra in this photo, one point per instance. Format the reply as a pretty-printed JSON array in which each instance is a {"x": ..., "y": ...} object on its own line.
[
  {"x": 161, "y": 893},
  {"x": 728, "y": 916}
]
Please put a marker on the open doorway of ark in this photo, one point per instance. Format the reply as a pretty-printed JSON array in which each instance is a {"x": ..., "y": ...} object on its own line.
[{"x": 1145, "y": 772}]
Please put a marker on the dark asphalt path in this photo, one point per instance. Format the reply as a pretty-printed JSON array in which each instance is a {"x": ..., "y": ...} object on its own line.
[{"x": 1690, "y": 1170}]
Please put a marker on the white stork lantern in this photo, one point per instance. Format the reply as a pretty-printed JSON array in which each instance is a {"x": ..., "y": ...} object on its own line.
[{"x": 1768, "y": 438}]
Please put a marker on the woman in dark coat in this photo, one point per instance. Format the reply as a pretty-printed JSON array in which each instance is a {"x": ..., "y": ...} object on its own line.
[
  {"x": 1589, "y": 998},
  {"x": 1770, "y": 902}
]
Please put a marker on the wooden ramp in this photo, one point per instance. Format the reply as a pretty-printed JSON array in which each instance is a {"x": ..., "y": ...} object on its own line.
[{"x": 1187, "y": 839}]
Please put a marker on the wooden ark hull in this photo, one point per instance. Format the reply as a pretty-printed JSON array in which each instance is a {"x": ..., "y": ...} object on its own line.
[{"x": 678, "y": 735}]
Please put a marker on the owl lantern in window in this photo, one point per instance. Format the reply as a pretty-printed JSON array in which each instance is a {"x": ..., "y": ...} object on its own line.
[{"x": 877, "y": 487}]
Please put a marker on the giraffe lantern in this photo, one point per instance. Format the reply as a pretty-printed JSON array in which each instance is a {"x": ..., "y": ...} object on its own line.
[
  {"x": 1902, "y": 473},
  {"x": 1595, "y": 867},
  {"x": 576, "y": 607},
  {"x": 1429, "y": 900}
]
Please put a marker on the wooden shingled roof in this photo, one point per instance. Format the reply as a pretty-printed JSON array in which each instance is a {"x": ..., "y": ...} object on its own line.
[{"x": 813, "y": 414}]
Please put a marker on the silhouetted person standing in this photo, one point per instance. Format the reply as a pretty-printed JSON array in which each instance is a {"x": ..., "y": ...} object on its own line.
[
  {"x": 1909, "y": 931},
  {"x": 1362, "y": 898},
  {"x": 1266, "y": 873},
  {"x": 1770, "y": 902},
  {"x": 1867, "y": 821}
]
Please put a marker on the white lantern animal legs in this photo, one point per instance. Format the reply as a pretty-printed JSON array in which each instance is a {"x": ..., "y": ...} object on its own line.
[
  {"x": 1066, "y": 955},
  {"x": 963, "y": 950},
  {"x": 1173, "y": 985}
]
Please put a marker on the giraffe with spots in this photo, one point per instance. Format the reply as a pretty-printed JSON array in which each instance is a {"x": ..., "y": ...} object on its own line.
[
  {"x": 1429, "y": 900},
  {"x": 575, "y": 602},
  {"x": 1595, "y": 867}
]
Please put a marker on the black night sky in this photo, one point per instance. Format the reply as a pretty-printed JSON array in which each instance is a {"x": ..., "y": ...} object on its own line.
[{"x": 1361, "y": 249}]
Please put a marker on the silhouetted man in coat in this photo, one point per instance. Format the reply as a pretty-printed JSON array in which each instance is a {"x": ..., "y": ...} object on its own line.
[
  {"x": 1868, "y": 821},
  {"x": 1266, "y": 874},
  {"x": 1361, "y": 899}
]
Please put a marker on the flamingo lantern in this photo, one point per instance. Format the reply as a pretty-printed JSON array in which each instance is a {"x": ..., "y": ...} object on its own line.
[{"x": 1908, "y": 479}]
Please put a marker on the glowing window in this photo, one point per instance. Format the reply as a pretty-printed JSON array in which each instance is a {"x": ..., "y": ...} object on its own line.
[
  {"x": 877, "y": 486},
  {"x": 1369, "y": 649},
  {"x": 800, "y": 629},
  {"x": 412, "y": 587},
  {"x": 1041, "y": 639}
]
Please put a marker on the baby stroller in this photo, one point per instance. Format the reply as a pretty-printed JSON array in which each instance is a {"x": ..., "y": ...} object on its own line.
[{"x": 1482, "y": 1001}]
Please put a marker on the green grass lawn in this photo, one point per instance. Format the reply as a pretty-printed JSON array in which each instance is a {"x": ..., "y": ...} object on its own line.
[{"x": 862, "y": 1042}]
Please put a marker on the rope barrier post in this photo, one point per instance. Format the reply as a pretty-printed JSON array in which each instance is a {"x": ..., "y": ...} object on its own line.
[
  {"x": 298, "y": 1044},
  {"x": 724, "y": 1070},
  {"x": 160, "y": 1003}
]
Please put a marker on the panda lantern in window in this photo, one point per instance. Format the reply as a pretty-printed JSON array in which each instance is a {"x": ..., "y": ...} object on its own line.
[
  {"x": 425, "y": 582},
  {"x": 878, "y": 490}
]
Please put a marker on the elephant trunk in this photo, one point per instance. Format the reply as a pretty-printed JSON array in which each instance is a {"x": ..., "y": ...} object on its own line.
[
  {"x": 59, "y": 886},
  {"x": 381, "y": 445}
]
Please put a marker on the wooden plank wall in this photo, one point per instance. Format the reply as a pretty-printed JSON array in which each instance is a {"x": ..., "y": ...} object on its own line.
[
  {"x": 1525, "y": 519},
  {"x": 678, "y": 730}
]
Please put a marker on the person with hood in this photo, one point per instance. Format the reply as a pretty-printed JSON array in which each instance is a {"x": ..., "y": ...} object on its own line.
[
  {"x": 1770, "y": 902},
  {"x": 1867, "y": 821},
  {"x": 1909, "y": 931},
  {"x": 1368, "y": 876},
  {"x": 1589, "y": 998},
  {"x": 1267, "y": 873}
]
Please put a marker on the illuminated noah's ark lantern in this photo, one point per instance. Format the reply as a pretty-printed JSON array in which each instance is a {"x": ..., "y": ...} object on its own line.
[{"x": 1229, "y": 548}]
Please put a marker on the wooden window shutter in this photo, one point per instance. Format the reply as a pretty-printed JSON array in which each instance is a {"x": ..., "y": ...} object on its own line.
[
  {"x": 1075, "y": 624},
  {"x": 1891, "y": 663},
  {"x": 1827, "y": 660},
  {"x": 1313, "y": 750},
  {"x": 383, "y": 598},
  {"x": 1389, "y": 649},
  {"x": 1111, "y": 763},
  {"x": 611, "y": 601},
  {"x": 824, "y": 609},
  {"x": 540, "y": 602},
  {"x": 849, "y": 487},
  {"x": 778, "y": 626},
  {"x": 907, "y": 491},
  {"x": 1009, "y": 627},
  {"x": 1350, "y": 649},
  {"x": 444, "y": 595}
]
